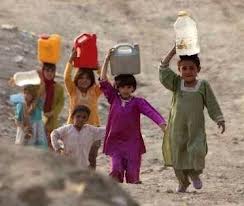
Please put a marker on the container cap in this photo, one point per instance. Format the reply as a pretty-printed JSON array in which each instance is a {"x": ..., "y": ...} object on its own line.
[
  {"x": 44, "y": 36},
  {"x": 183, "y": 13}
]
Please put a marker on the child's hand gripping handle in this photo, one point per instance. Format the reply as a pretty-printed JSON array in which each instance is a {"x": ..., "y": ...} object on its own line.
[
  {"x": 73, "y": 55},
  {"x": 104, "y": 71}
]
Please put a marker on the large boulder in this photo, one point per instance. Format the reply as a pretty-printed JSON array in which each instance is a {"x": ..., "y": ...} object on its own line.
[{"x": 32, "y": 177}]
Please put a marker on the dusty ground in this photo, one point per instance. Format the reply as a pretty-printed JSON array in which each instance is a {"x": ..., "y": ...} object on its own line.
[{"x": 221, "y": 27}]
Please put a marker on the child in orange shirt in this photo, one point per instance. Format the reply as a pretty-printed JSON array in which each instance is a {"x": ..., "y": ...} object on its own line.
[{"x": 83, "y": 90}]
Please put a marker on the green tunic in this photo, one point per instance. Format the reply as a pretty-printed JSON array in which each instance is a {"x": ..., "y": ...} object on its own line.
[{"x": 184, "y": 143}]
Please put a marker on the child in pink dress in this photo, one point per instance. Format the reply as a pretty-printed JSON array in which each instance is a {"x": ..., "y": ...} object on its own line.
[{"x": 123, "y": 139}]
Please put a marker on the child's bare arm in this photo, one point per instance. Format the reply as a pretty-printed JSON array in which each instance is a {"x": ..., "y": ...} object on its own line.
[
  {"x": 165, "y": 60},
  {"x": 103, "y": 75},
  {"x": 72, "y": 56}
]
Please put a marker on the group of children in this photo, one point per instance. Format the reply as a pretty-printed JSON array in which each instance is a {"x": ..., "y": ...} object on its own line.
[{"x": 184, "y": 142}]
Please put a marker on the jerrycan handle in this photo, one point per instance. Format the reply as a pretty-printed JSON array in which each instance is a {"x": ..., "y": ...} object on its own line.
[
  {"x": 79, "y": 40},
  {"x": 84, "y": 37},
  {"x": 124, "y": 48}
]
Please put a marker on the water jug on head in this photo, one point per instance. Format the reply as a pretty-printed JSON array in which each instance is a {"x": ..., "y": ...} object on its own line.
[
  {"x": 187, "y": 42},
  {"x": 26, "y": 78},
  {"x": 86, "y": 48},
  {"x": 125, "y": 59},
  {"x": 49, "y": 48}
]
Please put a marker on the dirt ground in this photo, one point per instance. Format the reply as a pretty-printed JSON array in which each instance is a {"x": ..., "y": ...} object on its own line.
[{"x": 149, "y": 23}]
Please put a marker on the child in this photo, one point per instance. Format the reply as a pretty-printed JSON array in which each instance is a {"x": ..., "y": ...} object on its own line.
[
  {"x": 184, "y": 143},
  {"x": 77, "y": 137},
  {"x": 30, "y": 128},
  {"x": 123, "y": 140},
  {"x": 54, "y": 99},
  {"x": 83, "y": 90}
]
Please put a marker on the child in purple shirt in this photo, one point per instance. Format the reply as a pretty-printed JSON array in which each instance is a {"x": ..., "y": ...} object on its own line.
[{"x": 123, "y": 139}]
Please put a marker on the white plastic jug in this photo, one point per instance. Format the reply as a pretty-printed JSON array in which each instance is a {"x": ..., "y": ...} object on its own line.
[
  {"x": 25, "y": 78},
  {"x": 125, "y": 59},
  {"x": 187, "y": 42}
]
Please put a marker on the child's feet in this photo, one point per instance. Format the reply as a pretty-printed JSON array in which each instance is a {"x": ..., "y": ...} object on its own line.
[
  {"x": 197, "y": 183},
  {"x": 181, "y": 188}
]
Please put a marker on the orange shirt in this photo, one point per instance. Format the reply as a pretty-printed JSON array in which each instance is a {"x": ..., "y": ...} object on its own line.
[{"x": 90, "y": 99}]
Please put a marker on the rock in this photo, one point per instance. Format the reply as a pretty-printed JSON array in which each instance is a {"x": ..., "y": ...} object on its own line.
[
  {"x": 169, "y": 191},
  {"x": 150, "y": 170},
  {"x": 32, "y": 176},
  {"x": 19, "y": 60},
  {"x": 9, "y": 27}
]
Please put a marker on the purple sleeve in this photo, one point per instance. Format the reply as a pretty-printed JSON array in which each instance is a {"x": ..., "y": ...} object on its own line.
[
  {"x": 149, "y": 111},
  {"x": 108, "y": 90}
]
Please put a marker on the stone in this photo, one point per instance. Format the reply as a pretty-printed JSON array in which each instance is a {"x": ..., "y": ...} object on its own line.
[{"x": 31, "y": 176}]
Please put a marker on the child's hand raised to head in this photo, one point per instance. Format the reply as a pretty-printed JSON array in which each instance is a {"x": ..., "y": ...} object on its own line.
[
  {"x": 110, "y": 52},
  {"x": 169, "y": 56},
  {"x": 222, "y": 125},
  {"x": 73, "y": 55},
  {"x": 103, "y": 75}
]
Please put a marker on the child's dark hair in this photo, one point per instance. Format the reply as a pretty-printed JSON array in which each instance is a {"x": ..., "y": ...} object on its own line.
[
  {"x": 81, "y": 108},
  {"x": 47, "y": 66},
  {"x": 32, "y": 89},
  {"x": 125, "y": 80},
  {"x": 84, "y": 71},
  {"x": 194, "y": 58}
]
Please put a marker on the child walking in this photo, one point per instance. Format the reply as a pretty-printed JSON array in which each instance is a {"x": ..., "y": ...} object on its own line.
[
  {"x": 54, "y": 99},
  {"x": 30, "y": 127},
  {"x": 123, "y": 140},
  {"x": 184, "y": 143},
  {"x": 83, "y": 90},
  {"x": 77, "y": 137}
]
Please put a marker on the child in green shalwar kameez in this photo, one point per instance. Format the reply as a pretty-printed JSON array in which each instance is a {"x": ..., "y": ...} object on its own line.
[{"x": 184, "y": 143}]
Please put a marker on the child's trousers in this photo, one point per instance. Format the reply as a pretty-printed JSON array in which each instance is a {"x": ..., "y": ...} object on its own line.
[{"x": 123, "y": 167}]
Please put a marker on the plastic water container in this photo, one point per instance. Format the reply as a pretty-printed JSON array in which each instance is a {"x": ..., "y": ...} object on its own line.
[
  {"x": 125, "y": 59},
  {"x": 49, "y": 48},
  {"x": 187, "y": 42},
  {"x": 26, "y": 78},
  {"x": 86, "y": 48}
]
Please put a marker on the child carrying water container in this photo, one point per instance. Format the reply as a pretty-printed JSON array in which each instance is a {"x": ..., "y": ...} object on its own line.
[
  {"x": 30, "y": 127},
  {"x": 83, "y": 90},
  {"x": 184, "y": 143},
  {"x": 54, "y": 99},
  {"x": 123, "y": 140},
  {"x": 78, "y": 137}
]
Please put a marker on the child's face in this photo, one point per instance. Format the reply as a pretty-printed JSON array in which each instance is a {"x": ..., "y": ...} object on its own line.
[
  {"x": 80, "y": 118},
  {"x": 28, "y": 97},
  {"x": 84, "y": 82},
  {"x": 49, "y": 73},
  {"x": 126, "y": 91},
  {"x": 188, "y": 70}
]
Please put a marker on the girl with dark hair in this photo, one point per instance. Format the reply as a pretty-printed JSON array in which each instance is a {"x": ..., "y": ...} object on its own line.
[
  {"x": 54, "y": 99},
  {"x": 123, "y": 141},
  {"x": 83, "y": 90},
  {"x": 184, "y": 142}
]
